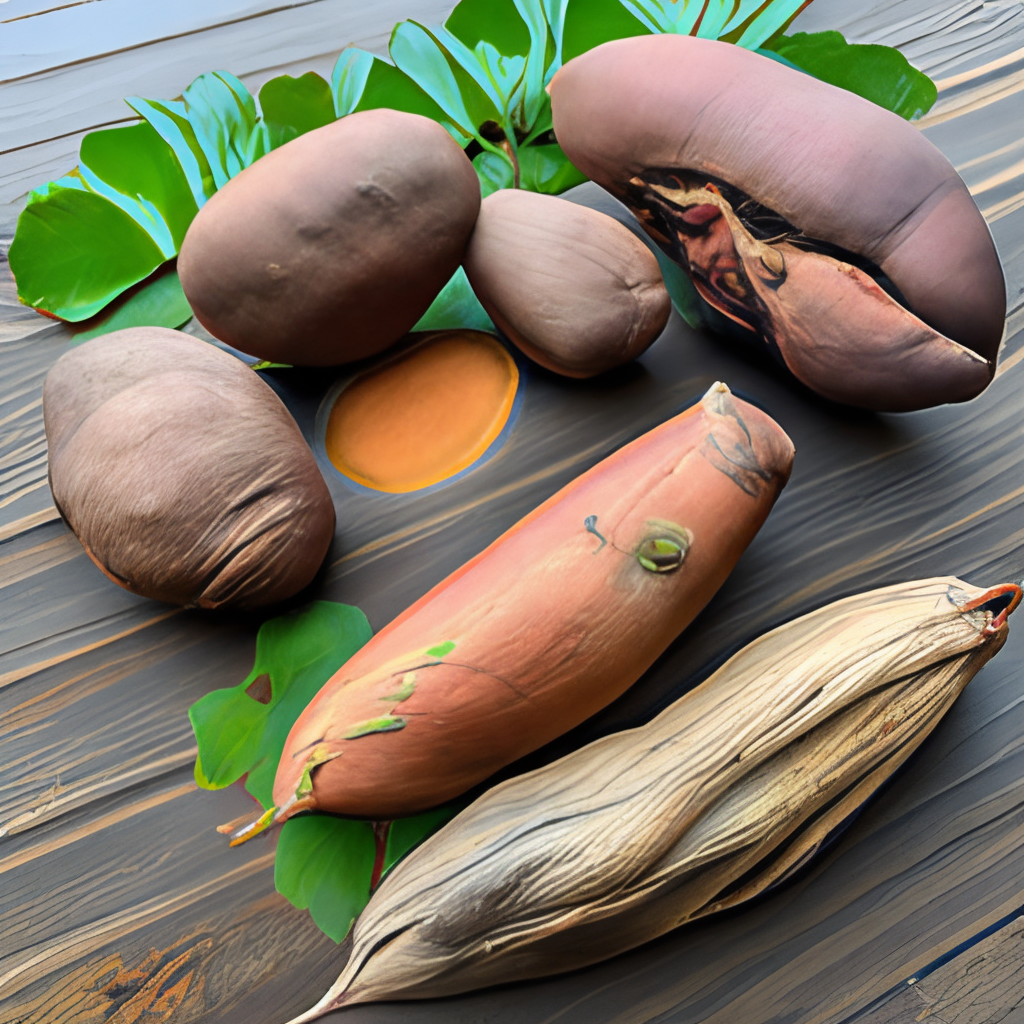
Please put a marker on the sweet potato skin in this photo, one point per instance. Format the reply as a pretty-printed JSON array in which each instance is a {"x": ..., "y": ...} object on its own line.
[
  {"x": 330, "y": 248},
  {"x": 182, "y": 473},
  {"x": 839, "y": 167},
  {"x": 547, "y": 625},
  {"x": 571, "y": 287}
]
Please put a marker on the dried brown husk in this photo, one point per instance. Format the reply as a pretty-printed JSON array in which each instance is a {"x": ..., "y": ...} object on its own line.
[{"x": 723, "y": 794}]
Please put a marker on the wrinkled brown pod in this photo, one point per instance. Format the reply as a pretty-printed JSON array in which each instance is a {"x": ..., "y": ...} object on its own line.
[
  {"x": 330, "y": 248},
  {"x": 571, "y": 287},
  {"x": 182, "y": 473},
  {"x": 794, "y": 205}
]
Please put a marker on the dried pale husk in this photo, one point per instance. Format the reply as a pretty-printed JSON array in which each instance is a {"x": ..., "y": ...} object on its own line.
[{"x": 723, "y": 794}]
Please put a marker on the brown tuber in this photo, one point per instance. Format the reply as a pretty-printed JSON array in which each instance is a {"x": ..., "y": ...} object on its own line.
[
  {"x": 182, "y": 473},
  {"x": 330, "y": 248},
  {"x": 572, "y": 288}
]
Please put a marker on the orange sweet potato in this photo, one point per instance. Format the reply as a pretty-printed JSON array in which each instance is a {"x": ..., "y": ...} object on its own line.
[{"x": 554, "y": 620}]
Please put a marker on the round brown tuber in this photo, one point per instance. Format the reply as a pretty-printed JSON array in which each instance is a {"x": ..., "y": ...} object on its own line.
[
  {"x": 182, "y": 473},
  {"x": 571, "y": 287},
  {"x": 330, "y": 248}
]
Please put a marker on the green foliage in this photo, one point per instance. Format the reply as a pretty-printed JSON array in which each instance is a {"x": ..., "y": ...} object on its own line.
[
  {"x": 456, "y": 306},
  {"x": 323, "y": 864},
  {"x": 156, "y": 302},
  {"x": 91, "y": 236},
  {"x": 878, "y": 73},
  {"x": 293, "y": 106},
  {"x": 236, "y": 733}
]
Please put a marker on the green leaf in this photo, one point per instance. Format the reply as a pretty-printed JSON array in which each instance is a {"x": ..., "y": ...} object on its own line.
[
  {"x": 222, "y": 114},
  {"x": 324, "y": 864},
  {"x": 293, "y": 106},
  {"x": 420, "y": 54},
  {"x": 546, "y": 168},
  {"x": 405, "y": 833},
  {"x": 56, "y": 259},
  {"x": 237, "y": 733},
  {"x": 156, "y": 302},
  {"x": 388, "y": 86},
  {"x": 136, "y": 162},
  {"x": 494, "y": 21},
  {"x": 588, "y": 23},
  {"x": 878, "y": 73},
  {"x": 170, "y": 120},
  {"x": 494, "y": 171},
  {"x": 348, "y": 79},
  {"x": 456, "y": 307}
]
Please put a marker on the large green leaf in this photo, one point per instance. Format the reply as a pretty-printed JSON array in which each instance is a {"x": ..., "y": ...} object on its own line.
[
  {"x": 136, "y": 162},
  {"x": 293, "y": 106},
  {"x": 456, "y": 307},
  {"x": 156, "y": 302},
  {"x": 878, "y": 73},
  {"x": 170, "y": 120},
  {"x": 388, "y": 86},
  {"x": 588, "y": 23},
  {"x": 324, "y": 864},
  {"x": 74, "y": 250},
  {"x": 237, "y": 733},
  {"x": 495, "y": 172},
  {"x": 418, "y": 52},
  {"x": 494, "y": 21}
]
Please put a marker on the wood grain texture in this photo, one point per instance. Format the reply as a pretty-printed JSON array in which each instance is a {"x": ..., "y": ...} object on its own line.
[
  {"x": 118, "y": 901},
  {"x": 983, "y": 985}
]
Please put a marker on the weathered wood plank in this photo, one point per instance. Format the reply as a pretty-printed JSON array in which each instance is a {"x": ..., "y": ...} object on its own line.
[
  {"x": 77, "y": 97},
  {"x": 983, "y": 985},
  {"x": 119, "y": 902}
]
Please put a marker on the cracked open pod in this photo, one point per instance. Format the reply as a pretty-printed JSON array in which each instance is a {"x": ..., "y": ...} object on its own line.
[
  {"x": 725, "y": 793},
  {"x": 830, "y": 228}
]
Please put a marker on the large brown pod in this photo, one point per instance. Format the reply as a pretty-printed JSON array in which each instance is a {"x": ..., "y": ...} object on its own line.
[
  {"x": 571, "y": 287},
  {"x": 552, "y": 622},
  {"x": 330, "y": 248},
  {"x": 792, "y": 203},
  {"x": 182, "y": 473}
]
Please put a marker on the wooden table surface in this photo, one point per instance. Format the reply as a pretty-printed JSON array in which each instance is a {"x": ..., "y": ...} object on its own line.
[{"x": 118, "y": 900}]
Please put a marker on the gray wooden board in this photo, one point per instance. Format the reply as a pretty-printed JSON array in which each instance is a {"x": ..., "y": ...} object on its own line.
[{"x": 118, "y": 900}]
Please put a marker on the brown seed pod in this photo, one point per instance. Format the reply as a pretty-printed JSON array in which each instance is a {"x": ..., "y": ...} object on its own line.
[
  {"x": 571, "y": 287},
  {"x": 182, "y": 473},
  {"x": 794, "y": 205},
  {"x": 330, "y": 248}
]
